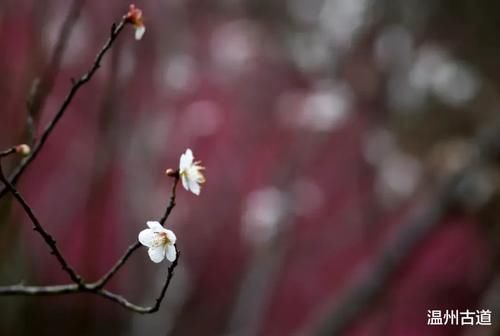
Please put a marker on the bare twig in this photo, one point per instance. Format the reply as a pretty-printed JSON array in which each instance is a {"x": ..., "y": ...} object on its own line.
[
  {"x": 22, "y": 290},
  {"x": 140, "y": 309},
  {"x": 7, "y": 152},
  {"x": 132, "y": 248},
  {"x": 96, "y": 287},
  {"x": 105, "y": 278},
  {"x": 171, "y": 205},
  {"x": 76, "y": 85},
  {"x": 92, "y": 288},
  {"x": 40, "y": 229}
]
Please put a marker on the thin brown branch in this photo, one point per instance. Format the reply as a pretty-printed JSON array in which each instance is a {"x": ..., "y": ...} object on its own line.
[
  {"x": 76, "y": 85},
  {"x": 96, "y": 287},
  {"x": 40, "y": 229},
  {"x": 21, "y": 290},
  {"x": 93, "y": 288},
  {"x": 132, "y": 248},
  {"x": 171, "y": 205},
  {"x": 7, "y": 152},
  {"x": 140, "y": 309},
  {"x": 104, "y": 280},
  {"x": 171, "y": 269}
]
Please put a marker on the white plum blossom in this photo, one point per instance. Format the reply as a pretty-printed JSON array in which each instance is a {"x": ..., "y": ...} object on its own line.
[
  {"x": 161, "y": 242},
  {"x": 190, "y": 172}
]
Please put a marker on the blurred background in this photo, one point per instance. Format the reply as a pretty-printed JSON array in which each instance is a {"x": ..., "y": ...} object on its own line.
[{"x": 332, "y": 132}]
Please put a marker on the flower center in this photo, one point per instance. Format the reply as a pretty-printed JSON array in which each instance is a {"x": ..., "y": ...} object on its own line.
[
  {"x": 193, "y": 173},
  {"x": 160, "y": 239}
]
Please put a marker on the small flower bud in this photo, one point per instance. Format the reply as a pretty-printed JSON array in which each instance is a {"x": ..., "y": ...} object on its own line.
[
  {"x": 23, "y": 149},
  {"x": 134, "y": 15},
  {"x": 172, "y": 173}
]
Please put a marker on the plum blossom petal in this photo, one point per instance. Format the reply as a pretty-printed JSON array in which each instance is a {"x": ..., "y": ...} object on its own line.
[
  {"x": 185, "y": 182},
  {"x": 171, "y": 252},
  {"x": 194, "y": 187},
  {"x": 171, "y": 236},
  {"x": 146, "y": 237},
  {"x": 139, "y": 32},
  {"x": 190, "y": 172},
  {"x": 157, "y": 254},
  {"x": 154, "y": 225},
  {"x": 186, "y": 160}
]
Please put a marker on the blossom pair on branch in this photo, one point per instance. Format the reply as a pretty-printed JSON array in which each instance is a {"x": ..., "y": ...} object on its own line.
[{"x": 161, "y": 241}]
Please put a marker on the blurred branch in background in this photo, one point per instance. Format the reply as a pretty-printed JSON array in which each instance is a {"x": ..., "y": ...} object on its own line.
[
  {"x": 42, "y": 86},
  {"x": 371, "y": 284},
  {"x": 260, "y": 279}
]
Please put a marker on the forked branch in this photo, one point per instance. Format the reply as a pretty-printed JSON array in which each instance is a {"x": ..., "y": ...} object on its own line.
[{"x": 79, "y": 285}]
